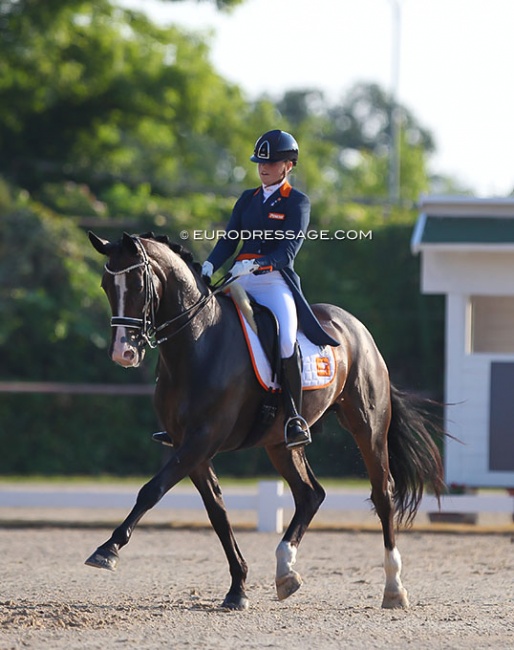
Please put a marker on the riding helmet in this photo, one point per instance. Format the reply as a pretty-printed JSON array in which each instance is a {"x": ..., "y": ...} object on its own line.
[{"x": 274, "y": 146}]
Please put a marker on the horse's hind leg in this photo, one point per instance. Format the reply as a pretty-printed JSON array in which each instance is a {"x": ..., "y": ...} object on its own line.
[
  {"x": 369, "y": 426},
  {"x": 207, "y": 485},
  {"x": 308, "y": 496}
]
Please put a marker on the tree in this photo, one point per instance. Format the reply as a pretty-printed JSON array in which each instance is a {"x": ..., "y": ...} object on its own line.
[
  {"x": 93, "y": 93},
  {"x": 362, "y": 121},
  {"x": 350, "y": 142},
  {"x": 50, "y": 297}
]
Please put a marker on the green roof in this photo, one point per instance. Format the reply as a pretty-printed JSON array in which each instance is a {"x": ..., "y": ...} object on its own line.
[{"x": 464, "y": 230}]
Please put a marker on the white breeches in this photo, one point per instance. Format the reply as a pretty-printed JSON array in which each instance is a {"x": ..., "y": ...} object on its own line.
[{"x": 271, "y": 290}]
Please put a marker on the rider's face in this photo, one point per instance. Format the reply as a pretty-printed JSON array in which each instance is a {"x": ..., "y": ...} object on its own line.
[{"x": 274, "y": 172}]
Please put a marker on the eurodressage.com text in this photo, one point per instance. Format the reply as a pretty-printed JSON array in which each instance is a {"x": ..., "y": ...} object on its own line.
[{"x": 274, "y": 235}]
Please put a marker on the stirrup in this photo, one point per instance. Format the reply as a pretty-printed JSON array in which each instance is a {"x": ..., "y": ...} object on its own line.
[
  {"x": 303, "y": 437},
  {"x": 163, "y": 438}
]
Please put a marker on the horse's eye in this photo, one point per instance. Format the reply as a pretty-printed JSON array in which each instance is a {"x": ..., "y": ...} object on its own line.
[{"x": 134, "y": 287}]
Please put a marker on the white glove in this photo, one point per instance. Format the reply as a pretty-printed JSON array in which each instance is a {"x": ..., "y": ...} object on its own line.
[
  {"x": 244, "y": 267},
  {"x": 207, "y": 269}
]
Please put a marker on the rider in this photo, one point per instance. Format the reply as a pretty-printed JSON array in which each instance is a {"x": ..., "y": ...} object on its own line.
[{"x": 277, "y": 215}]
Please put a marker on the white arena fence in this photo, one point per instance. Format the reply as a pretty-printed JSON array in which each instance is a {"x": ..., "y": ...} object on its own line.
[{"x": 268, "y": 500}]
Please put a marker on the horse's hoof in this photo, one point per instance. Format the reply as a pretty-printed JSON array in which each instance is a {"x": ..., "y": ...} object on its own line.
[
  {"x": 395, "y": 599},
  {"x": 288, "y": 584},
  {"x": 103, "y": 559},
  {"x": 236, "y": 602}
]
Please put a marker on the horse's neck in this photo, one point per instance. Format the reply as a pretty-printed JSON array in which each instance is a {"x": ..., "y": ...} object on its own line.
[{"x": 183, "y": 294}]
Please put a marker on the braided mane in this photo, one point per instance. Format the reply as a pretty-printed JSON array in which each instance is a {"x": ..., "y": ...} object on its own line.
[{"x": 182, "y": 252}]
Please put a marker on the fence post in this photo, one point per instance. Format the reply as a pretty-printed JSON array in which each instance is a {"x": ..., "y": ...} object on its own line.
[{"x": 270, "y": 511}]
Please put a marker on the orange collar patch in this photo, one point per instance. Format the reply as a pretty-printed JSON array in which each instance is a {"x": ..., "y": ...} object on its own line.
[{"x": 285, "y": 189}]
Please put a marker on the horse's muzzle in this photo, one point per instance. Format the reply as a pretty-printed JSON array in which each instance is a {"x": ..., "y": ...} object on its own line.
[{"x": 127, "y": 354}]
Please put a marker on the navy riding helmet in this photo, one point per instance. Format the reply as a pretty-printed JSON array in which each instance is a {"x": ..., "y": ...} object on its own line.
[{"x": 274, "y": 146}]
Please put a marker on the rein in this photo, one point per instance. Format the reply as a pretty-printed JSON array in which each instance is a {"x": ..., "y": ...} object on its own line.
[
  {"x": 199, "y": 307},
  {"x": 146, "y": 325}
]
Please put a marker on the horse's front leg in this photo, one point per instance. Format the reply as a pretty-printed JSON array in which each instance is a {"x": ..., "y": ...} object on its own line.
[
  {"x": 308, "y": 496},
  {"x": 206, "y": 482},
  {"x": 178, "y": 467}
]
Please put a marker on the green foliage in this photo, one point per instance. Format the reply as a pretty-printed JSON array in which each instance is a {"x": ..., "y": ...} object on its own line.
[
  {"x": 47, "y": 291},
  {"x": 363, "y": 121},
  {"x": 96, "y": 95},
  {"x": 73, "y": 434}
]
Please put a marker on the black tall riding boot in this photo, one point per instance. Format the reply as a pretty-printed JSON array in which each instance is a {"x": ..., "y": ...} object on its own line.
[{"x": 296, "y": 429}]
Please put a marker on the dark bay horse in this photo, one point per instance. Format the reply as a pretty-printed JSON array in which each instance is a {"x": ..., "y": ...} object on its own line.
[{"x": 208, "y": 400}]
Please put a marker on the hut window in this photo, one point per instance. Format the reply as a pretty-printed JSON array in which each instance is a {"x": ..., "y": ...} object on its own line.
[{"x": 492, "y": 324}]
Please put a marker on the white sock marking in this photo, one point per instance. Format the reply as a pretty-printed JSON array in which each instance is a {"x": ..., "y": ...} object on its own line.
[
  {"x": 393, "y": 569},
  {"x": 286, "y": 557}
]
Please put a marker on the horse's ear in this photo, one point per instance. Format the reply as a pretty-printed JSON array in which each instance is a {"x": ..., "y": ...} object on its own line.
[
  {"x": 129, "y": 243},
  {"x": 103, "y": 246}
]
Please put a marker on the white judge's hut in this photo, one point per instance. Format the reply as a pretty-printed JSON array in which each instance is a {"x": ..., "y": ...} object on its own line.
[{"x": 467, "y": 253}]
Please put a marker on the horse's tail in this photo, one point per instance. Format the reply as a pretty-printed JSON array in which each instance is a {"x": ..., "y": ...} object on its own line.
[{"x": 414, "y": 457}]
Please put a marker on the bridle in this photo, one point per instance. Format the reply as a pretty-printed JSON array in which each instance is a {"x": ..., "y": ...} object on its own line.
[
  {"x": 148, "y": 330},
  {"x": 146, "y": 324}
]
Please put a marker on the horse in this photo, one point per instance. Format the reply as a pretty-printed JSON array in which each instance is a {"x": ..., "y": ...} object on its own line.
[{"x": 208, "y": 400}]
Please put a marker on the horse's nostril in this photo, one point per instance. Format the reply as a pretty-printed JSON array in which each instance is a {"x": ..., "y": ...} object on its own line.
[{"x": 129, "y": 355}]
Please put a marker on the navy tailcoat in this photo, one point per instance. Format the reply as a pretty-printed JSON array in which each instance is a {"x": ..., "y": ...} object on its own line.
[{"x": 272, "y": 232}]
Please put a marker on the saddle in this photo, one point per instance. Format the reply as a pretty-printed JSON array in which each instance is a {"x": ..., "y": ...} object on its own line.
[
  {"x": 268, "y": 330},
  {"x": 261, "y": 330},
  {"x": 263, "y": 322}
]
